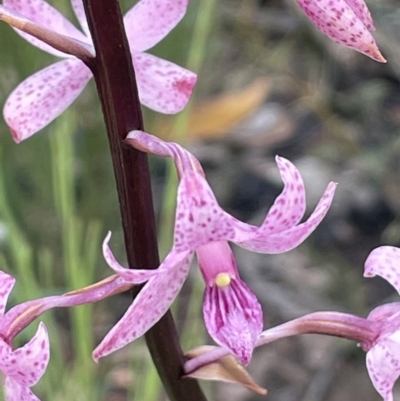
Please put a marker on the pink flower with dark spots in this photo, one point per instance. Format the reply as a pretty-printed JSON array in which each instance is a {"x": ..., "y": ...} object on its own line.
[
  {"x": 347, "y": 22},
  {"x": 378, "y": 334},
  {"x": 232, "y": 313},
  {"x": 22, "y": 368},
  {"x": 163, "y": 86},
  {"x": 383, "y": 356}
]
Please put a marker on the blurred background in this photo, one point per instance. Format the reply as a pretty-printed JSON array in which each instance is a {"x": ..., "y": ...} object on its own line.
[{"x": 269, "y": 83}]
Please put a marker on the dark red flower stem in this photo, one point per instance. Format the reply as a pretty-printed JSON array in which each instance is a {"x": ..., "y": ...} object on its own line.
[{"x": 115, "y": 79}]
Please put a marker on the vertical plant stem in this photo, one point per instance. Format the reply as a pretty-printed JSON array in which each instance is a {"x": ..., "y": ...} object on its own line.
[{"x": 115, "y": 79}]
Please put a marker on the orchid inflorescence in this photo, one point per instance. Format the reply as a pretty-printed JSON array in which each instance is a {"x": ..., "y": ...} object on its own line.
[{"x": 232, "y": 314}]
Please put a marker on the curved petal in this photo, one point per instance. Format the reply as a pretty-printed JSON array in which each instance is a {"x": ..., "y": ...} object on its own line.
[
  {"x": 383, "y": 368},
  {"x": 385, "y": 312},
  {"x": 134, "y": 276},
  {"x": 148, "y": 307},
  {"x": 292, "y": 237},
  {"x": 44, "y": 96},
  {"x": 163, "y": 86},
  {"x": 44, "y": 14},
  {"x": 26, "y": 365},
  {"x": 199, "y": 219},
  {"x": 233, "y": 317},
  {"x": 6, "y": 285},
  {"x": 341, "y": 23},
  {"x": 183, "y": 159},
  {"x": 289, "y": 207},
  {"x": 13, "y": 391},
  {"x": 361, "y": 11},
  {"x": 385, "y": 262},
  {"x": 149, "y": 21},
  {"x": 79, "y": 11}
]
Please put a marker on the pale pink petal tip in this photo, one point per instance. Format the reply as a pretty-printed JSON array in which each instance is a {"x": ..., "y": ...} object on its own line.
[
  {"x": 163, "y": 86},
  {"x": 133, "y": 276},
  {"x": 374, "y": 53},
  {"x": 346, "y": 22},
  {"x": 233, "y": 317},
  {"x": 287, "y": 239},
  {"x": 385, "y": 262},
  {"x": 288, "y": 209}
]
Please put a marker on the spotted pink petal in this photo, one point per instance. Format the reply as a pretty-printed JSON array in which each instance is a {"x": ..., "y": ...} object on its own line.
[
  {"x": 13, "y": 391},
  {"x": 385, "y": 262},
  {"x": 6, "y": 285},
  {"x": 26, "y": 365},
  {"x": 44, "y": 14},
  {"x": 163, "y": 86},
  {"x": 149, "y": 306},
  {"x": 134, "y": 276},
  {"x": 44, "y": 96},
  {"x": 199, "y": 219},
  {"x": 289, "y": 207},
  {"x": 340, "y": 20},
  {"x": 384, "y": 367},
  {"x": 233, "y": 317},
  {"x": 361, "y": 11},
  {"x": 149, "y": 21},
  {"x": 262, "y": 241},
  {"x": 5, "y": 350},
  {"x": 79, "y": 10}
]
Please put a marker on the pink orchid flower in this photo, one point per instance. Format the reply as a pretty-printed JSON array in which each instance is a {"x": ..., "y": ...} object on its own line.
[
  {"x": 347, "y": 22},
  {"x": 378, "y": 334},
  {"x": 22, "y": 368},
  {"x": 383, "y": 356},
  {"x": 232, "y": 314},
  {"x": 163, "y": 86}
]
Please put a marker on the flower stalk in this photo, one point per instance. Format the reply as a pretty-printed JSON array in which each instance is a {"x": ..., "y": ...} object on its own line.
[
  {"x": 336, "y": 324},
  {"x": 115, "y": 80},
  {"x": 59, "y": 42}
]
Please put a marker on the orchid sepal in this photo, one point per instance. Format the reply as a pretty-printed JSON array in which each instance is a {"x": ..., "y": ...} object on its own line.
[
  {"x": 43, "y": 96},
  {"x": 149, "y": 306},
  {"x": 346, "y": 22}
]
